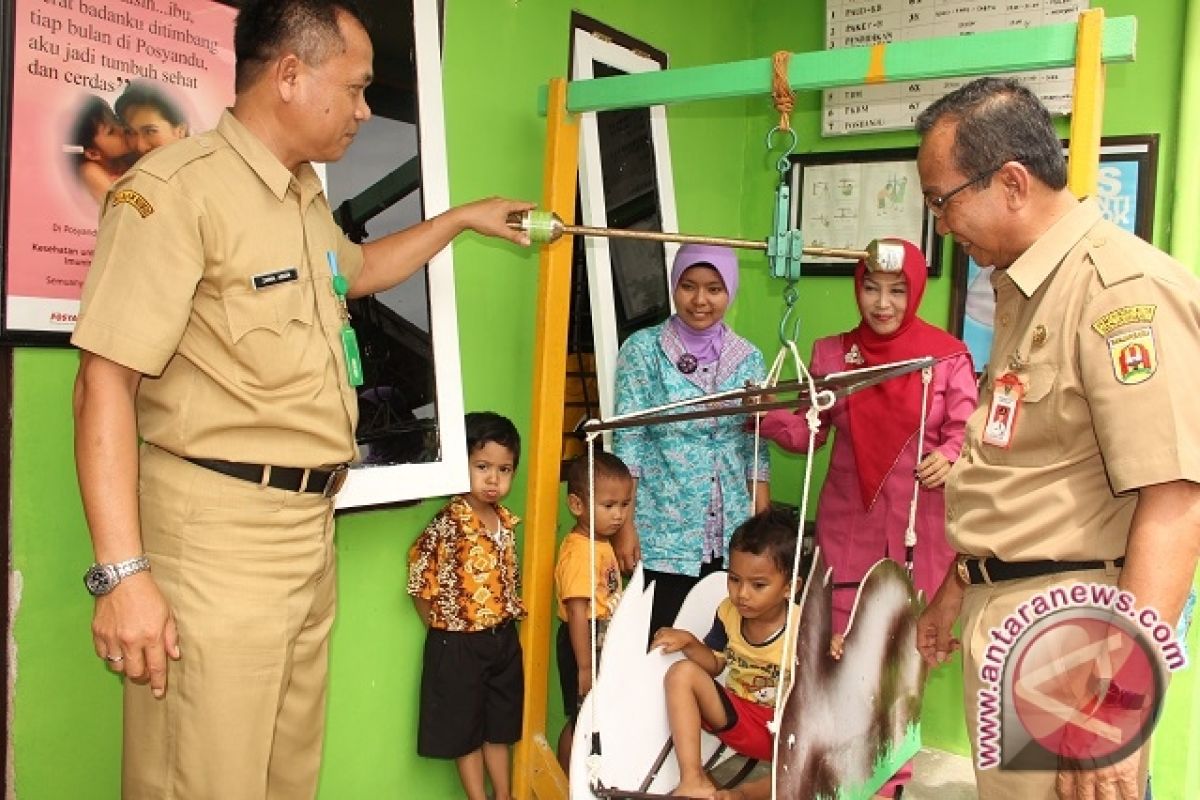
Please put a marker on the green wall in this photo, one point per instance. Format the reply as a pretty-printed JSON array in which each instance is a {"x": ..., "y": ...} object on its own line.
[{"x": 496, "y": 54}]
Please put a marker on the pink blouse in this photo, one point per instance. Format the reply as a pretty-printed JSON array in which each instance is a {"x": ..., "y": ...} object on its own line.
[{"x": 853, "y": 538}]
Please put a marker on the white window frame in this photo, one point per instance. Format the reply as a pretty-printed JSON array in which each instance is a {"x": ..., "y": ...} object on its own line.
[
  {"x": 589, "y": 49},
  {"x": 380, "y": 485}
]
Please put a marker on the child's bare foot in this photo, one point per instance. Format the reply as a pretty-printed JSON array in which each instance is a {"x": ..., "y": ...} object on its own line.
[
  {"x": 837, "y": 646},
  {"x": 702, "y": 787}
]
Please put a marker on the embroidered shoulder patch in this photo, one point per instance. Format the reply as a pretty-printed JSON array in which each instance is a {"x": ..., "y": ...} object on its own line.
[
  {"x": 139, "y": 203},
  {"x": 1125, "y": 315},
  {"x": 1133, "y": 356}
]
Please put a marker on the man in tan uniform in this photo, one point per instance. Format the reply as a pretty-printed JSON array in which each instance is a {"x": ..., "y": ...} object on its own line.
[
  {"x": 1091, "y": 470},
  {"x": 210, "y": 327}
]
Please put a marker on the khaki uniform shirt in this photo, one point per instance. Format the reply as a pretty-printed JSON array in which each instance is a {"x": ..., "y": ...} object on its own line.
[
  {"x": 211, "y": 278},
  {"x": 1103, "y": 331}
]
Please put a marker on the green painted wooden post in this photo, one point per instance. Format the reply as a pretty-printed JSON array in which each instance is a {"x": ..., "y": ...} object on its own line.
[{"x": 1046, "y": 47}]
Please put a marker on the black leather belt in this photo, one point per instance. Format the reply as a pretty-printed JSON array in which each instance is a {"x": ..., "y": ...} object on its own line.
[
  {"x": 293, "y": 479},
  {"x": 990, "y": 570}
]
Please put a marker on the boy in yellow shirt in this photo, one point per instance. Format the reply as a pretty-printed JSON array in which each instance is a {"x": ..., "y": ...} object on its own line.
[
  {"x": 577, "y": 577},
  {"x": 748, "y": 637}
]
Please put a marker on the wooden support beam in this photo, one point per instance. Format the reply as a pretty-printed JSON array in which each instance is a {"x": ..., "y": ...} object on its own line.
[
  {"x": 1044, "y": 47},
  {"x": 547, "y": 779},
  {"x": 544, "y": 446},
  {"x": 1087, "y": 110}
]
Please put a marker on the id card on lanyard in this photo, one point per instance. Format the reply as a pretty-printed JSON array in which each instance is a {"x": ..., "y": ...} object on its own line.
[
  {"x": 354, "y": 365},
  {"x": 1007, "y": 392}
]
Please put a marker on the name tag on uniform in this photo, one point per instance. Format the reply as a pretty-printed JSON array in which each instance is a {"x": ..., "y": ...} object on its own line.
[
  {"x": 264, "y": 280},
  {"x": 1002, "y": 414}
]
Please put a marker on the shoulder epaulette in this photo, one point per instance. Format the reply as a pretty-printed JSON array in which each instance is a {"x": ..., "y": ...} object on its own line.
[
  {"x": 1111, "y": 255},
  {"x": 164, "y": 162}
]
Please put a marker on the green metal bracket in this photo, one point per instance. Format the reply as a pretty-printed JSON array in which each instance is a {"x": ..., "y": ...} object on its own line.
[
  {"x": 785, "y": 246},
  {"x": 1044, "y": 47}
]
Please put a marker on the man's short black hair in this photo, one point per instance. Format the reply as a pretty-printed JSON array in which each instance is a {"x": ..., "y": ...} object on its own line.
[
  {"x": 267, "y": 28},
  {"x": 772, "y": 532},
  {"x": 487, "y": 426},
  {"x": 999, "y": 120},
  {"x": 606, "y": 466}
]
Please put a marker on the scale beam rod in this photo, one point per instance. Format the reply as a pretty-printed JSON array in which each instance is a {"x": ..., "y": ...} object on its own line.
[{"x": 544, "y": 227}]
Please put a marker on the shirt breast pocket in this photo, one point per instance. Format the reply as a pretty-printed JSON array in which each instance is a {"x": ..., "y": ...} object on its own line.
[
  {"x": 1035, "y": 431},
  {"x": 271, "y": 333}
]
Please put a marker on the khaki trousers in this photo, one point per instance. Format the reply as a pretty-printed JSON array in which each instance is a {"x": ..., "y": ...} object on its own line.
[
  {"x": 249, "y": 574},
  {"x": 984, "y": 609}
]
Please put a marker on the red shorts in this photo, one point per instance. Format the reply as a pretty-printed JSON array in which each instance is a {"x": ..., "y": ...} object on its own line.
[{"x": 746, "y": 731}]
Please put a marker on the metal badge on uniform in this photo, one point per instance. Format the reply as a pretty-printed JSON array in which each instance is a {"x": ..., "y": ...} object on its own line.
[
  {"x": 1134, "y": 358},
  {"x": 264, "y": 280},
  {"x": 135, "y": 199},
  {"x": 1002, "y": 413},
  {"x": 1125, "y": 315},
  {"x": 854, "y": 357}
]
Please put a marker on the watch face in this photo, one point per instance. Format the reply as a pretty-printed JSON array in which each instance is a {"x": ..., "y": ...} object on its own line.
[{"x": 100, "y": 579}]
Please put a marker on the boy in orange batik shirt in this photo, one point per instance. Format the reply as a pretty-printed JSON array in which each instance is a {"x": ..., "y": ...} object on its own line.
[{"x": 462, "y": 575}]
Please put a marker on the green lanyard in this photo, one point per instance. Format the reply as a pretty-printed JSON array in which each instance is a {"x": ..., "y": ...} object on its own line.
[{"x": 354, "y": 368}]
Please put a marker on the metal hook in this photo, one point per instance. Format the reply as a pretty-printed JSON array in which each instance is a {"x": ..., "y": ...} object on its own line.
[
  {"x": 782, "y": 165},
  {"x": 789, "y": 297}
]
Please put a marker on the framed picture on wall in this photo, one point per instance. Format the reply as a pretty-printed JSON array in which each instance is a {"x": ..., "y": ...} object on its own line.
[
  {"x": 1125, "y": 192},
  {"x": 83, "y": 97},
  {"x": 846, "y": 200}
]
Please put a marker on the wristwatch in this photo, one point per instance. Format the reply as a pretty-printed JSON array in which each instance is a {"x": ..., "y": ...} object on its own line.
[{"x": 100, "y": 579}]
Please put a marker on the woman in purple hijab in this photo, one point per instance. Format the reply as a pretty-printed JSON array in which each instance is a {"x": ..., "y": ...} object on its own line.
[{"x": 696, "y": 480}]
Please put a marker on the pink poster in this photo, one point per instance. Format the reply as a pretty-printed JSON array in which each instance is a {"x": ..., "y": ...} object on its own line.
[{"x": 95, "y": 84}]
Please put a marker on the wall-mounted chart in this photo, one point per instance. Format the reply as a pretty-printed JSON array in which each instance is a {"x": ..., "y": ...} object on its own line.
[{"x": 895, "y": 106}]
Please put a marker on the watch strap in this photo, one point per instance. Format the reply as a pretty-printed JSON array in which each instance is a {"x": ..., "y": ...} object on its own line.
[{"x": 131, "y": 566}]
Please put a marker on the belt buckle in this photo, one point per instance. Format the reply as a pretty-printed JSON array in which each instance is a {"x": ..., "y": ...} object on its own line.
[
  {"x": 964, "y": 574},
  {"x": 335, "y": 481}
]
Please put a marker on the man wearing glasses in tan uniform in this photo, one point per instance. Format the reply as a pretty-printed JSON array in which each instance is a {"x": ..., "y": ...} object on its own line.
[
  {"x": 1095, "y": 475},
  {"x": 211, "y": 328}
]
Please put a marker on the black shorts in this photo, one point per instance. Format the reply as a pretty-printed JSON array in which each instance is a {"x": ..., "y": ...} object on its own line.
[
  {"x": 568, "y": 673},
  {"x": 472, "y": 691},
  {"x": 568, "y": 668}
]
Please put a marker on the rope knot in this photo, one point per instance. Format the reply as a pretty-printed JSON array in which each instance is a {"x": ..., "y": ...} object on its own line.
[{"x": 781, "y": 89}]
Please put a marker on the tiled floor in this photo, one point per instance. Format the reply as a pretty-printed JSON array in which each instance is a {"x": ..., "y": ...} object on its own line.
[{"x": 941, "y": 776}]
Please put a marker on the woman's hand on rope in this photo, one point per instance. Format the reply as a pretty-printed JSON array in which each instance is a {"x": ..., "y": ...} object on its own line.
[{"x": 933, "y": 470}]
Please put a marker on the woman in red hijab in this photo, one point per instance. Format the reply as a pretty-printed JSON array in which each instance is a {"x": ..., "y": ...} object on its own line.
[{"x": 863, "y": 510}]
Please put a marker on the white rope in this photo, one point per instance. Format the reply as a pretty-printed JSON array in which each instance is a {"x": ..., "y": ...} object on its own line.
[
  {"x": 910, "y": 535},
  {"x": 821, "y": 401},
  {"x": 593, "y": 760}
]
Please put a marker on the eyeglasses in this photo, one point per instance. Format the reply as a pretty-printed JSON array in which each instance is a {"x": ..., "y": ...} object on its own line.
[{"x": 937, "y": 202}]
